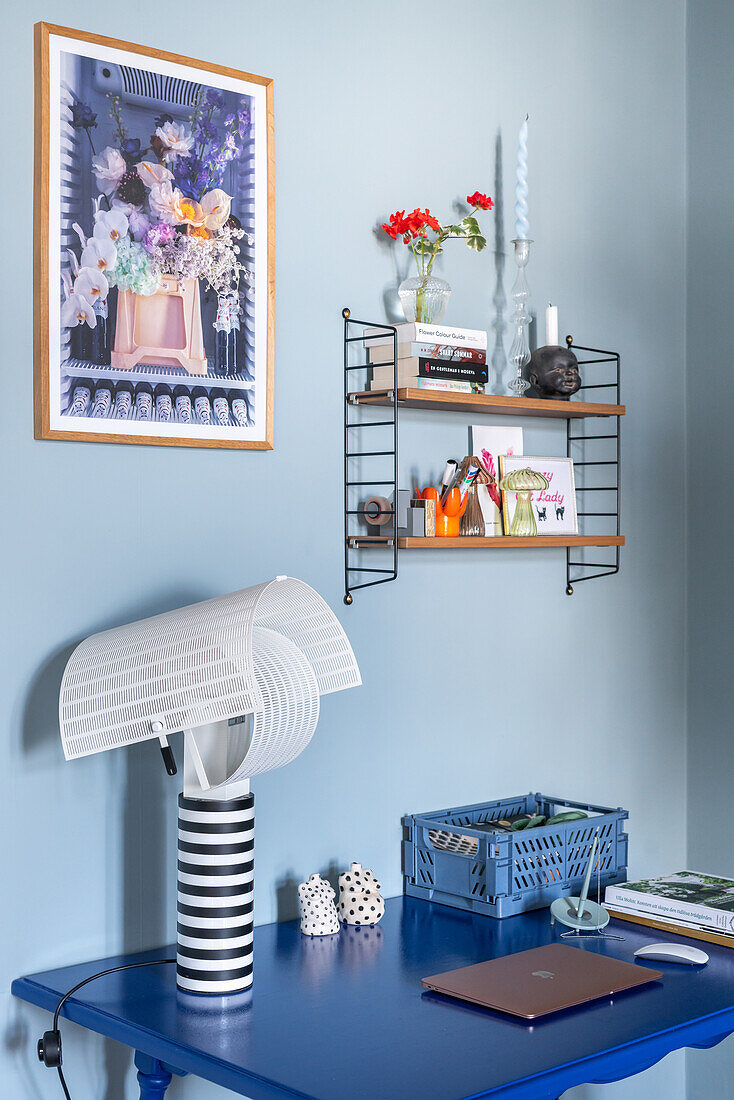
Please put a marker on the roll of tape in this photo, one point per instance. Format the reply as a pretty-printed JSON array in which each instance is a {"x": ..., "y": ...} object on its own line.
[{"x": 377, "y": 511}]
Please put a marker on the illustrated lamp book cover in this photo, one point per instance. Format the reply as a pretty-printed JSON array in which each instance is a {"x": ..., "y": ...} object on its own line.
[{"x": 154, "y": 246}]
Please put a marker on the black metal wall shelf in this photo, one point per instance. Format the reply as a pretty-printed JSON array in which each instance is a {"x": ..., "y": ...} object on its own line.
[{"x": 604, "y": 457}]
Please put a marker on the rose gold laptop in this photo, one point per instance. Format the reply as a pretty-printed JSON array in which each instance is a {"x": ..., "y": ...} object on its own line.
[{"x": 545, "y": 979}]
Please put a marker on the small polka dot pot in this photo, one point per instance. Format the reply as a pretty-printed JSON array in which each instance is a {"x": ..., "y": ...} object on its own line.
[
  {"x": 316, "y": 904},
  {"x": 359, "y": 897}
]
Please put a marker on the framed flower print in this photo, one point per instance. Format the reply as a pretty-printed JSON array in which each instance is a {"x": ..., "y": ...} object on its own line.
[{"x": 153, "y": 246}]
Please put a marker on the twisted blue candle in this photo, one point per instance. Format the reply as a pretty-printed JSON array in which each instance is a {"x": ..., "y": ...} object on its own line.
[{"x": 522, "y": 225}]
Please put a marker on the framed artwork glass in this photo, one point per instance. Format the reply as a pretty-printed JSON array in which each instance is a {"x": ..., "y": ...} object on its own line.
[
  {"x": 544, "y": 498},
  {"x": 154, "y": 251}
]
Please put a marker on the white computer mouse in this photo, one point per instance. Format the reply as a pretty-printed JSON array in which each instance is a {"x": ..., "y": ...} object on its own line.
[{"x": 673, "y": 953}]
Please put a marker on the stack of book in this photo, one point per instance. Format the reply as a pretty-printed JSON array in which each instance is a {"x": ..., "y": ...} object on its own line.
[
  {"x": 430, "y": 357},
  {"x": 689, "y": 903}
]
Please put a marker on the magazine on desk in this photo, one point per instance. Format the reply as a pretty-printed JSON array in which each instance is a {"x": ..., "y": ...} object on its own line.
[{"x": 688, "y": 897}]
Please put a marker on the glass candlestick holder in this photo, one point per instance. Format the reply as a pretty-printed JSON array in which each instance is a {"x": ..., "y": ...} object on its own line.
[{"x": 520, "y": 317}]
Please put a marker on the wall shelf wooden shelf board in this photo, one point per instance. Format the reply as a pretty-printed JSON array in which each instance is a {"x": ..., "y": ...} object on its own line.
[
  {"x": 378, "y": 472},
  {"x": 499, "y": 542},
  {"x": 487, "y": 403}
]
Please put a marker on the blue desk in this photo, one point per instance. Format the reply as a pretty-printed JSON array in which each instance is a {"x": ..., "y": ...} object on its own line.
[{"x": 346, "y": 1016}]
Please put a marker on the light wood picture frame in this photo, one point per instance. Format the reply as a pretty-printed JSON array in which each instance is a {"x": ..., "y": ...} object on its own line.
[{"x": 157, "y": 172}]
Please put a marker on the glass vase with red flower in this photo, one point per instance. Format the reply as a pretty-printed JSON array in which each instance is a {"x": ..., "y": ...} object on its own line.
[{"x": 424, "y": 297}]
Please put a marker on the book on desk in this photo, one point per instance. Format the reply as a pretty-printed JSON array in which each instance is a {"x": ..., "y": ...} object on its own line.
[{"x": 696, "y": 905}]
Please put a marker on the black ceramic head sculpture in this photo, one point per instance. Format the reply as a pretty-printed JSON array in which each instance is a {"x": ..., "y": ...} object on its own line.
[{"x": 553, "y": 372}]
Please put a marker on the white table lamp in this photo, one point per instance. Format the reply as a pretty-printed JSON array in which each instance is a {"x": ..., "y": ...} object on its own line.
[{"x": 242, "y": 676}]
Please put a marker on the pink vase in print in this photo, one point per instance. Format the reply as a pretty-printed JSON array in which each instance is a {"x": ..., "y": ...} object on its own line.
[{"x": 162, "y": 329}]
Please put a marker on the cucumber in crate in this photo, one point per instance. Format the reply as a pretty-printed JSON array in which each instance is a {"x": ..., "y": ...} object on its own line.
[{"x": 505, "y": 857}]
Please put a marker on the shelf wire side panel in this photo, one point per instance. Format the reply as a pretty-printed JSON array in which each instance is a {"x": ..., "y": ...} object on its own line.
[
  {"x": 596, "y": 452},
  {"x": 370, "y": 455}
]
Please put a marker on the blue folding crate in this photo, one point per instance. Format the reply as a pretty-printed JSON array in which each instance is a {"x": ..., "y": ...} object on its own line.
[{"x": 447, "y": 859}]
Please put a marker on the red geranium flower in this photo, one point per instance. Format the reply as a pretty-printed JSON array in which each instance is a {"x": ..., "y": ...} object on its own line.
[
  {"x": 415, "y": 225},
  {"x": 429, "y": 220},
  {"x": 395, "y": 225},
  {"x": 420, "y": 220},
  {"x": 478, "y": 199},
  {"x": 412, "y": 226}
]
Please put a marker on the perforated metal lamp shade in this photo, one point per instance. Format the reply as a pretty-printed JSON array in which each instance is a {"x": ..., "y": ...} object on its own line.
[
  {"x": 199, "y": 664},
  {"x": 268, "y": 652}
]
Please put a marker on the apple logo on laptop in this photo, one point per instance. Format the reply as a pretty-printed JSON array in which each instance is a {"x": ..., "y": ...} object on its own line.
[{"x": 543, "y": 974}]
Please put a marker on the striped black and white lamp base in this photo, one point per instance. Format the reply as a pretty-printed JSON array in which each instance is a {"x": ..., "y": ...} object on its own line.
[{"x": 215, "y": 894}]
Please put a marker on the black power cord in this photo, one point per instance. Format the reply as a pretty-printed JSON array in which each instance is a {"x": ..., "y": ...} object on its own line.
[{"x": 49, "y": 1047}]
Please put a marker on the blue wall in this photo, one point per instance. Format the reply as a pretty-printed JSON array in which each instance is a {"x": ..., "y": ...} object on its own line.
[
  {"x": 377, "y": 106},
  {"x": 710, "y": 523}
]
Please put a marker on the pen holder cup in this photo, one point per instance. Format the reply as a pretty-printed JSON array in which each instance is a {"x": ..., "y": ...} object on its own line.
[{"x": 449, "y": 513}]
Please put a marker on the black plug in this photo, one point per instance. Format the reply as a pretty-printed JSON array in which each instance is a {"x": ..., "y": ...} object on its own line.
[{"x": 49, "y": 1049}]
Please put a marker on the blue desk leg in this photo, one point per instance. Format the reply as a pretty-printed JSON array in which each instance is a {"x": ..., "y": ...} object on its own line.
[{"x": 153, "y": 1077}]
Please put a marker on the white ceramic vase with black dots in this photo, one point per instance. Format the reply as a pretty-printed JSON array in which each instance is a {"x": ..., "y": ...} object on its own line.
[
  {"x": 359, "y": 896},
  {"x": 317, "y": 908}
]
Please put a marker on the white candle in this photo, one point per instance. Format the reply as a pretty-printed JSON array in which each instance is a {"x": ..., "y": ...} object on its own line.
[
  {"x": 551, "y": 326},
  {"x": 522, "y": 225}
]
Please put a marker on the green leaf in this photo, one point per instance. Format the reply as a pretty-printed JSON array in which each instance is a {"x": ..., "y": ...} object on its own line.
[
  {"x": 476, "y": 242},
  {"x": 459, "y": 230},
  {"x": 520, "y": 823},
  {"x": 567, "y": 815},
  {"x": 472, "y": 226}
]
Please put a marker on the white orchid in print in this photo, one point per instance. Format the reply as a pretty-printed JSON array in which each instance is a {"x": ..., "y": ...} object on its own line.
[
  {"x": 110, "y": 226},
  {"x": 76, "y": 310},
  {"x": 137, "y": 220},
  {"x": 91, "y": 284},
  {"x": 101, "y": 255}
]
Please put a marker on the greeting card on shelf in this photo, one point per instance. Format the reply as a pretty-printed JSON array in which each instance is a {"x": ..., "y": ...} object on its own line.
[
  {"x": 489, "y": 441},
  {"x": 554, "y": 507}
]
